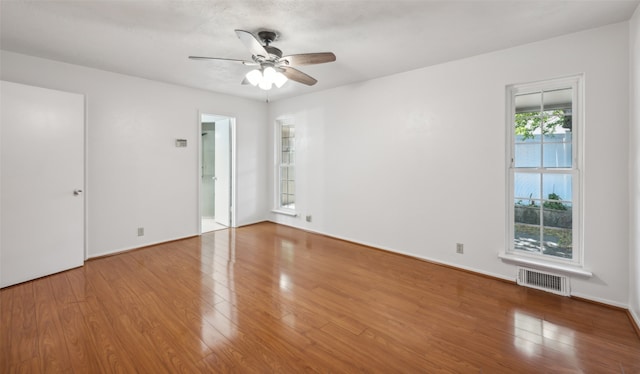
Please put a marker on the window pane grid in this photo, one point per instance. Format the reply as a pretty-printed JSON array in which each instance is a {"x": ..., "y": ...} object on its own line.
[
  {"x": 286, "y": 169},
  {"x": 543, "y": 172}
]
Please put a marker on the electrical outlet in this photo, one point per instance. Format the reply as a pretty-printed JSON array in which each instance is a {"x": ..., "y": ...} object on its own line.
[
  {"x": 308, "y": 218},
  {"x": 459, "y": 248},
  {"x": 140, "y": 231}
]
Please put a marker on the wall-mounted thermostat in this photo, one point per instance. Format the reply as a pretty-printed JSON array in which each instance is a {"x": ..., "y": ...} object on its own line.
[{"x": 181, "y": 142}]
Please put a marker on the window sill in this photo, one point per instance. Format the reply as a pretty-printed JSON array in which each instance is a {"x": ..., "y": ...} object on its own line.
[
  {"x": 285, "y": 212},
  {"x": 544, "y": 265}
]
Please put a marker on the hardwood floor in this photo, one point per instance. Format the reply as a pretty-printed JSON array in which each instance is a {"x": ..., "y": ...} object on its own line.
[{"x": 268, "y": 298}]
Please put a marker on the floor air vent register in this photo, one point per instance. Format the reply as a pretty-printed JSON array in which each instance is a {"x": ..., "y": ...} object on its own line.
[{"x": 541, "y": 280}]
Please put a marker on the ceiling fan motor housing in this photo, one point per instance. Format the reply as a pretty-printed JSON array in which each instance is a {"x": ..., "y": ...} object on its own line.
[
  {"x": 273, "y": 51},
  {"x": 268, "y": 37}
]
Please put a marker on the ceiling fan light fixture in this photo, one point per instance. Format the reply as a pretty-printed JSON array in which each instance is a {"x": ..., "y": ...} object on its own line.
[
  {"x": 280, "y": 79},
  {"x": 269, "y": 74},
  {"x": 254, "y": 77},
  {"x": 265, "y": 84},
  {"x": 266, "y": 78}
]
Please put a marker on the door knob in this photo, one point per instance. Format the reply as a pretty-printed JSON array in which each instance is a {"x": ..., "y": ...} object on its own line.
[{"x": 77, "y": 192}]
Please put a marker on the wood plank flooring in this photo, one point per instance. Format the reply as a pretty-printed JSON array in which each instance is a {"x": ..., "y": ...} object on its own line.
[{"x": 269, "y": 298}]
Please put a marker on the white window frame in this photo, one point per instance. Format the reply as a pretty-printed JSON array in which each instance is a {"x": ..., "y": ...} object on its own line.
[
  {"x": 279, "y": 164},
  {"x": 576, "y": 83}
]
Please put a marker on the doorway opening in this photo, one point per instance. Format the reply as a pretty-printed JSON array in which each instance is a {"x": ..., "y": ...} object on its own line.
[{"x": 216, "y": 172}]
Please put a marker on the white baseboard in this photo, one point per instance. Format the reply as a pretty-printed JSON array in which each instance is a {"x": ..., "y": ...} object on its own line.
[
  {"x": 600, "y": 300},
  {"x": 126, "y": 249},
  {"x": 453, "y": 265},
  {"x": 252, "y": 223},
  {"x": 635, "y": 317},
  {"x": 409, "y": 254}
]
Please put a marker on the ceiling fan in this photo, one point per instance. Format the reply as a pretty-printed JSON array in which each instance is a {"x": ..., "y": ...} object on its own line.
[{"x": 272, "y": 68}]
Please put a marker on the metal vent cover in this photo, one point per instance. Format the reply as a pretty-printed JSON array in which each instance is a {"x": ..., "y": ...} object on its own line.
[{"x": 542, "y": 280}]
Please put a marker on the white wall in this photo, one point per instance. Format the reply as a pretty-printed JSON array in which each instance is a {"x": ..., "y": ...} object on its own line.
[
  {"x": 136, "y": 176},
  {"x": 634, "y": 166},
  {"x": 414, "y": 162}
]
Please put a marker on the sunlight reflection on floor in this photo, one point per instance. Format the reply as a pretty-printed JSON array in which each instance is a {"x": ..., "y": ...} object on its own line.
[{"x": 533, "y": 335}]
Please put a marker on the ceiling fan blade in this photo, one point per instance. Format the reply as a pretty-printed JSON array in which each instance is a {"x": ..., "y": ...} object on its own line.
[
  {"x": 248, "y": 63},
  {"x": 308, "y": 58},
  {"x": 298, "y": 76},
  {"x": 251, "y": 42}
]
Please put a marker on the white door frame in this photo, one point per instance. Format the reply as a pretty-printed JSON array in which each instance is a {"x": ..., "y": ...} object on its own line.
[{"x": 233, "y": 187}]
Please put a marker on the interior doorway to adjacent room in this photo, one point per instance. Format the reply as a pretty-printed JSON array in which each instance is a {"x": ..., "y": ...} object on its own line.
[{"x": 216, "y": 172}]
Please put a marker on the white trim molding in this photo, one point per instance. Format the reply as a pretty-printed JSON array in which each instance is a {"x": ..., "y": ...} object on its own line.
[
  {"x": 284, "y": 212},
  {"x": 545, "y": 265}
]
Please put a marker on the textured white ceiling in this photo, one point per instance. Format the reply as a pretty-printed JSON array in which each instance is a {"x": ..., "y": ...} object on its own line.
[{"x": 152, "y": 39}]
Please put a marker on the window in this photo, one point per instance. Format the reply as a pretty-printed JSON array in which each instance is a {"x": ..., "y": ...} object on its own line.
[
  {"x": 544, "y": 170},
  {"x": 286, "y": 137}
]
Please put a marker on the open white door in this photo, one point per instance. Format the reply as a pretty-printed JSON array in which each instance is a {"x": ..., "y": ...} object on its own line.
[
  {"x": 42, "y": 178},
  {"x": 223, "y": 172}
]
